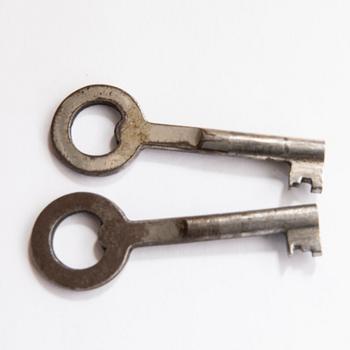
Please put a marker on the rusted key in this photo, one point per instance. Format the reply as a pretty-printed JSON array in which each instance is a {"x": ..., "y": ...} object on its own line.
[
  {"x": 133, "y": 133},
  {"x": 118, "y": 236}
]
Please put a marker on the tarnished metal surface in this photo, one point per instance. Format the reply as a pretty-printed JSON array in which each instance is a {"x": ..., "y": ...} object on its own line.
[
  {"x": 133, "y": 133},
  {"x": 118, "y": 236}
]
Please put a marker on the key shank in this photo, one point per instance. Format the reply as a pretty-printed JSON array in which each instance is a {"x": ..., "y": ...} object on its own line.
[
  {"x": 299, "y": 223},
  {"x": 305, "y": 157}
]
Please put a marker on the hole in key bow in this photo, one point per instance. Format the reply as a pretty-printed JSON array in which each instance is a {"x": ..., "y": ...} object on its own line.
[
  {"x": 75, "y": 241},
  {"x": 93, "y": 130}
]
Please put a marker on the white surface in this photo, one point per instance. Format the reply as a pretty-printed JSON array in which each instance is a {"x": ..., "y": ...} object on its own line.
[{"x": 277, "y": 67}]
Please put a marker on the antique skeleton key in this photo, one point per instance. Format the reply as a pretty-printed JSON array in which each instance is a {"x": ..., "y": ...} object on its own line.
[
  {"x": 133, "y": 133},
  {"x": 118, "y": 236}
]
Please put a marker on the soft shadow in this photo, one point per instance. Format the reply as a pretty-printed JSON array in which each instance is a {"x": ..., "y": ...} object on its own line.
[
  {"x": 275, "y": 244},
  {"x": 217, "y": 163}
]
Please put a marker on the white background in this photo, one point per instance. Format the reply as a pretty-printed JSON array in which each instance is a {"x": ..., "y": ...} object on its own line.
[{"x": 273, "y": 66}]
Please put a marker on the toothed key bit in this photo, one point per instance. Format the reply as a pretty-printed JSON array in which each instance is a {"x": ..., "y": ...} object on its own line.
[
  {"x": 134, "y": 133},
  {"x": 118, "y": 236}
]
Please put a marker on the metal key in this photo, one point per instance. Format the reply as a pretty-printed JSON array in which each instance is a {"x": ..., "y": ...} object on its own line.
[
  {"x": 118, "y": 236},
  {"x": 134, "y": 133}
]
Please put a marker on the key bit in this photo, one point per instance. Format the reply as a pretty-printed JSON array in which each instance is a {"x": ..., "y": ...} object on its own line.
[
  {"x": 133, "y": 133},
  {"x": 118, "y": 236}
]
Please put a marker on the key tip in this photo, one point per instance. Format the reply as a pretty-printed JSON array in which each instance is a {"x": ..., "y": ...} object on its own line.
[
  {"x": 310, "y": 173},
  {"x": 305, "y": 240}
]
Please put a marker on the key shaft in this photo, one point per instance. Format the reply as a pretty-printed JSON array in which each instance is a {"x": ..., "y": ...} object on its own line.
[
  {"x": 299, "y": 223},
  {"x": 305, "y": 157}
]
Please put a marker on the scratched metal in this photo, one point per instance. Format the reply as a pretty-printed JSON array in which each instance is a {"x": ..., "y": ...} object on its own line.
[
  {"x": 118, "y": 236},
  {"x": 133, "y": 133}
]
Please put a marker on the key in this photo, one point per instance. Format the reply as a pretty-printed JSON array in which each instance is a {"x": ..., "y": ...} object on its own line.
[
  {"x": 118, "y": 236},
  {"x": 133, "y": 133}
]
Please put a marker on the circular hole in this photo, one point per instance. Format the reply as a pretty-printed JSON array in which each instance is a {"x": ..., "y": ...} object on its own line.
[
  {"x": 93, "y": 129},
  {"x": 75, "y": 241}
]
